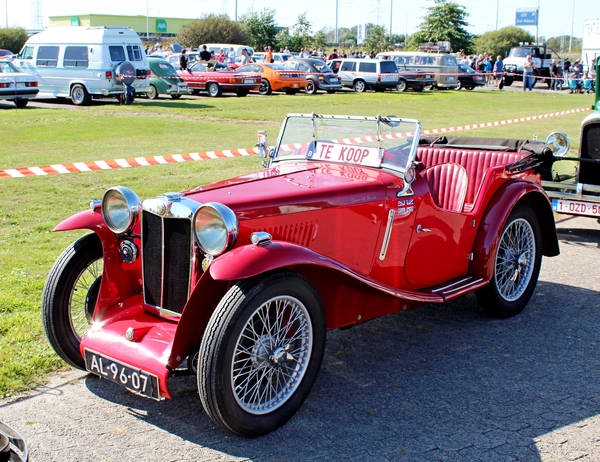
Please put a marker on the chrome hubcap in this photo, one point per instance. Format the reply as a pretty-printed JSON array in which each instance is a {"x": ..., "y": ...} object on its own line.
[
  {"x": 515, "y": 259},
  {"x": 271, "y": 355}
]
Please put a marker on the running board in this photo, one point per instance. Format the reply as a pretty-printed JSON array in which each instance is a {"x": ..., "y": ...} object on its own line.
[{"x": 457, "y": 287}]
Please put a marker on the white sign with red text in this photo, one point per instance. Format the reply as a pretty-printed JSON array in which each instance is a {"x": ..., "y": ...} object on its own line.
[{"x": 347, "y": 154}]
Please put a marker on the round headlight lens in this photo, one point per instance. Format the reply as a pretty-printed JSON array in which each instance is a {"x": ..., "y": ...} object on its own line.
[
  {"x": 215, "y": 227},
  {"x": 120, "y": 209}
]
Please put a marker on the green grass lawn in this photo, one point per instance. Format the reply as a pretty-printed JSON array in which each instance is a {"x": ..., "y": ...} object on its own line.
[{"x": 30, "y": 207}]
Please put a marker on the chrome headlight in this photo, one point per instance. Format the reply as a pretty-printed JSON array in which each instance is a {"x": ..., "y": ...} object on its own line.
[
  {"x": 215, "y": 228},
  {"x": 120, "y": 209},
  {"x": 559, "y": 143}
]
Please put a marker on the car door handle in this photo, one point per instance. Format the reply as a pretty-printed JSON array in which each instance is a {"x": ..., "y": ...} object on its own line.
[{"x": 420, "y": 229}]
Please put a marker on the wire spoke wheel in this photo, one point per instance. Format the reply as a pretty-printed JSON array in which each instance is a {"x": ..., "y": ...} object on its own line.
[
  {"x": 515, "y": 259},
  {"x": 516, "y": 265},
  {"x": 83, "y": 297},
  {"x": 271, "y": 355},
  {"x": 70, "y": 296},
  {"x": 261, "y": 352}
]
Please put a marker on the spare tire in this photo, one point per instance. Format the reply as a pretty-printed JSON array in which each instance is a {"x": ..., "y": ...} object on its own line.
[{"x": 126, "y": 72}]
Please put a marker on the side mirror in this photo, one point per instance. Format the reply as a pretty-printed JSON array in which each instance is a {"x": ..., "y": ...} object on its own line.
[
  {"x": 262, "y": 145},
  {"x": 558, "y": 143}
]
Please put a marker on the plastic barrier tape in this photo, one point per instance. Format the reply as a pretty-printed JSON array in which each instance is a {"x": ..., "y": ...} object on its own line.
[{"x": 89, "y": 166}]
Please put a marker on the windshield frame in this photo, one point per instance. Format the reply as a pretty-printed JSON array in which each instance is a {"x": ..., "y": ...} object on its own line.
[{"x": 387, "y": 120}]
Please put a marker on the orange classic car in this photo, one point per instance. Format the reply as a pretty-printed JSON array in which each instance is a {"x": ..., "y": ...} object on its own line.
[{"x": 275, "y": 77}]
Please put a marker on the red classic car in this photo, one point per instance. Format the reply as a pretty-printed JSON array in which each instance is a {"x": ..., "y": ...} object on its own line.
[
  {"x": 352, "y": 218},
  {"x": 216, "y": 78}
]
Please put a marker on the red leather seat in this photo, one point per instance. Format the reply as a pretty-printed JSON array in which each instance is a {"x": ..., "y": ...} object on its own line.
[{"x": 448, "y": 185}]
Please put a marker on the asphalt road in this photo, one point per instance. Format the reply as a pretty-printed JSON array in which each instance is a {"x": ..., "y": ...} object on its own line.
[{"x": 438, "y": 383}]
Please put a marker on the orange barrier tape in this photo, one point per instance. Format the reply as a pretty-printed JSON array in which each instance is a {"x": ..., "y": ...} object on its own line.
[{"x": 175, "y": 158}]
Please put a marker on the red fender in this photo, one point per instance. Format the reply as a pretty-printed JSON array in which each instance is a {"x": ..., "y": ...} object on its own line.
[
  {"x": 119, "y": 280},
  {"x": 494, "y": 219}
]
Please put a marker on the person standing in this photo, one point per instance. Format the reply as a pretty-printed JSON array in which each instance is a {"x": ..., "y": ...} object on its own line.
[
  {"x": 269, "y": 55},
  {"x": 553, "y": 75},
  {"x": 231, "y": 56},
  {"x": 528, "y": 69},
  {"x": 183, "y": 60},
  {"x": 204, "y": 54},
  {"x": 498, "y": 71},
  {"x": 245, "y": 57}
]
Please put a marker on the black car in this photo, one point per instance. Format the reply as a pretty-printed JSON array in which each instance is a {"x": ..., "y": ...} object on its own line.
[
  {"x": 410, "y": 79},
  {"x": 319, "y": 74},
  {"x": 468, "y": 78}
]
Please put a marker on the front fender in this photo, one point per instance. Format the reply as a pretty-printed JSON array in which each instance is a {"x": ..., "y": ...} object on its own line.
[
  {"x": 495, "y": 217},
  {"x": 251, "y": 260},
  {"x": 119, "y": 280}
]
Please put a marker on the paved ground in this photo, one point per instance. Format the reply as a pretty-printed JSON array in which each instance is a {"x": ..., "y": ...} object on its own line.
[{"x": 438, "y": 383}]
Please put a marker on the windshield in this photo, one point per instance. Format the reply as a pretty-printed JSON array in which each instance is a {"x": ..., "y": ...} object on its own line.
[
  {"x": 519, "y": 52},
  {"x": 387, "y": 142},
  {"x": 321, "y": 67}
]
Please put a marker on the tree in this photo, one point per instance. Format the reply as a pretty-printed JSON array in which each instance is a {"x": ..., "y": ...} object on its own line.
[
  {"x": 261, "y": 28},
  {"x": 319, "y": 40},
  {"x": 444, "y": 22},
  {"x": 298, "y": 36},
  {"x": 561, "y": 44},
  {"x": 376, "y": 40},
  {"x": 211, "y": 28},
  {"x": 13, "y": 38},
  {"x": 499, "y": 42}
]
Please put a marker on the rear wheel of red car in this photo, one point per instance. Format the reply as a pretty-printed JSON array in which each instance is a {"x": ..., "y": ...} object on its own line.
[
  {"x": 70, "y": 296},
  {"x": 214, "y": 89},
  {"x": 153, "y": 93},
  {"x": 265, "y": 88},
  {"x": 516, "y": 267},
  {"x": 360, "y": 86},
  {"x": 261, "y": 353},
  {"x": 311, "y": 88},
  {"x": 80, "y": 96}
]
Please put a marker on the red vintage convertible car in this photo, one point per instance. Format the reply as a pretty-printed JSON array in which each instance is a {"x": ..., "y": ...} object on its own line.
[
  {"x": 216, "y": 78},
  {"x": 352, "y": 218}
]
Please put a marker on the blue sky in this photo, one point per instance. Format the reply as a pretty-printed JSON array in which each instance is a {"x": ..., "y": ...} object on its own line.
[{"x": 556, "y": 17}]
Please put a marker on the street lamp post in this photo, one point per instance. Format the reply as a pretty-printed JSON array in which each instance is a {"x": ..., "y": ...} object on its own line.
[
  {"x": 391, "y": 7},
  {"x": 337, "y": 11},
  {"x": 406, "y": 23},
  {"x": 147, "y": 22}
]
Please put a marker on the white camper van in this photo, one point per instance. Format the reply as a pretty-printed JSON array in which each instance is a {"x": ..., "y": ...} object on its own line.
[{"x": 82, "y": 63}]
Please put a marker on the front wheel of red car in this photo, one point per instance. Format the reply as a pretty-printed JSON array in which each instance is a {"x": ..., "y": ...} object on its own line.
[
  {"x": 261, "y": 353},
  {"x": 70, "y": 296},
  {"x": 516, "y": 266}
]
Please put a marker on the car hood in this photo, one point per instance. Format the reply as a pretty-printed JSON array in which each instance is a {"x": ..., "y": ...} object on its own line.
[{"x": 297, "y": 187}]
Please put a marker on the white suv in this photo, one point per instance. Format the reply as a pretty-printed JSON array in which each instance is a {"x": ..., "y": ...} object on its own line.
[{"x": 364, "y": 74}]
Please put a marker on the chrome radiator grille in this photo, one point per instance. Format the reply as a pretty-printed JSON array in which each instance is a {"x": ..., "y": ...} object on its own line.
[{"x": 166, "y": 261}]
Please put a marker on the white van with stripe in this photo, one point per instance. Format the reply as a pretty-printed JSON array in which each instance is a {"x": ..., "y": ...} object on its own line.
[{"x": 82, "y": 63}]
